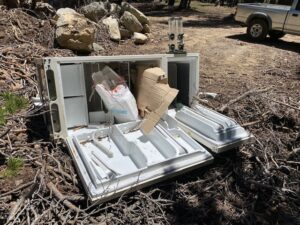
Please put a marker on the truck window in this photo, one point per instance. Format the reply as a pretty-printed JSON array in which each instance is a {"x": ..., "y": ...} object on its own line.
[
  {"x": 281, "y": 2},
  {"x": 298, "y": 5}
]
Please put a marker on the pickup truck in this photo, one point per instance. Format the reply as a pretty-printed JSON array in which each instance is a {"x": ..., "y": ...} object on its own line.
[{"x": 269, "y": 19}]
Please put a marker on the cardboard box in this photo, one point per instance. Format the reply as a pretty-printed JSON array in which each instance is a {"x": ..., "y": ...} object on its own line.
[{"x": 154, "y": 96}]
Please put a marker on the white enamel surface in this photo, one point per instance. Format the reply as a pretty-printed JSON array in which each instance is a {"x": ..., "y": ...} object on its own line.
[
  {"x": 208, "y": 131},
  {"x": 137, "y": 158}
]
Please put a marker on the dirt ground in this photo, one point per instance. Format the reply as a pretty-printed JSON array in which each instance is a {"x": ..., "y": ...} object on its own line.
[
  {"x": 231, "y": 65},
  {"x": 256, "y": 184}
]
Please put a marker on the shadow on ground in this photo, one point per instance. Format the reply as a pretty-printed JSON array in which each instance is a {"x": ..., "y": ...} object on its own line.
[
  {"x": 222, "y": 190},
  {"x": 37, "y": 129},
  {"x": 166, "y": 12},
  {"x": 210, "y": 21},
  {"x": 298, "y": 73},
  {"x": 280, "y": 44}
]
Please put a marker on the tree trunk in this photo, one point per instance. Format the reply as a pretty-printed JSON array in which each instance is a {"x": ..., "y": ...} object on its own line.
[
  {"x": 171, "y": 2},
  {"x": 183, "y": 4}
]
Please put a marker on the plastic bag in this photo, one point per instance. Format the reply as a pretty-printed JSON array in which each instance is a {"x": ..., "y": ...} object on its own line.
[{"x": 116, "y": 95}]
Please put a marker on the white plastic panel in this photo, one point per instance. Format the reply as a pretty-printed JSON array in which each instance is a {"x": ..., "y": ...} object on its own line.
[
  {"x": 214, "y": 130},
  {"x": 72, "y": 80},
  {"x": 134, "y": 159},
  {"x": 76, "y": 111},
  {"x": 98, "y": 117},
  {"x": 186, "y": 70}
]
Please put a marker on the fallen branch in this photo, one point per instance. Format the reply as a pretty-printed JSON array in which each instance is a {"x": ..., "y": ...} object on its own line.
[
  {"x": 17, "y": 37},
  {"x": 15, "y": 209},
  {"x": 251, "y": 123},
  {"x": 203, "y": 101},
  {"x": 64, "y": 174},
  {"x": 4, "y": 133},
  {"x": 282, "y": 103},
  {"x": 263, "y": 117},
  {"x": 241, "y": 97},
  {"x": 293, "y": 162},
  {"x": 17, "y": 189},
  {"x": 294, "y": 152},
  {"x": 62, "y": 198},
  {"x": 19, "y": 203},
  {"x": 274, "y": 188}
]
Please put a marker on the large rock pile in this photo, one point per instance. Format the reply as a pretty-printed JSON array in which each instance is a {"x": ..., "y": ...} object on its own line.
[
  {"x": 122, "y": 21},
  {"x": 76, "y": 30}
]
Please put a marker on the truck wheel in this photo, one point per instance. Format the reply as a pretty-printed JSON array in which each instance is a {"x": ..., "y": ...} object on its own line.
[
  {"x": 276, "y": 34},
  {"x": 257, "y": 29}
]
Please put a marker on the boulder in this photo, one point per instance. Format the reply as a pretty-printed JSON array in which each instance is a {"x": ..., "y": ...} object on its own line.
[
  {"x": 94, "y": 11},
  {"x": 44, "y": 9},
  {"x": 146, "y": 29},
  {"x": 125, "y": 34},
  {"x": 97, "y": 48},
  {"x": 113, "y": 28},
  {"x": 74, "y": 31},
  {"x": 139, "y": 38},
  {"x": 64, "y": 11},
  {"x": 130, "y": 22},
  {"x": 115, "y": 10},
  {"x": 137, "y": 13},
  {"x": 149, "y": 35}
]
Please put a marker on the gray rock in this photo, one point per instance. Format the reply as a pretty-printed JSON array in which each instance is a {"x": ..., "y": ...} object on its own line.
[
  {"x": 97, "y": 48},
  {"x": 139, "y": 38},
  {"x": 137, "y": 13},
  {"x": 115, "y": 10},
  {"x": 149, "y": 35},
  {"x": 74, "y": 31},
  {"x": 125, "y": 34},
  {"x": 43, "y": 9},
  {"x": 113, "y": 28},
  {"x": 130, "y": 22},
  {"x": 94, "y": 11},
  {"x": 146, "y": 29},
  {"x": 63, "y": 11}
]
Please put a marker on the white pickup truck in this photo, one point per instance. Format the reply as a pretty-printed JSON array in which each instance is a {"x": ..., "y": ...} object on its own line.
[{"x": 263, "y": 19}]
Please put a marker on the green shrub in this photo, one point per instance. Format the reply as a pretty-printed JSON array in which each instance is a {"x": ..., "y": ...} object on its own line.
[
  {"x": 11, "y": 104},
  {"x": 13, "y": 166}
]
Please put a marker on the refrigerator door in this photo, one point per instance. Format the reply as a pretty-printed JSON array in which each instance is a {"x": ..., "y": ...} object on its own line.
[
  {"x": 124, "y": 159},
  {"x": 214, "y": 130}
]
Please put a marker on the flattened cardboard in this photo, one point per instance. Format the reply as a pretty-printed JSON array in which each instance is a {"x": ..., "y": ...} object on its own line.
[
  {"x": 156, "y": 74},
  {"x": 153, "y": 118},
  {"x": 154, "y": 96}
]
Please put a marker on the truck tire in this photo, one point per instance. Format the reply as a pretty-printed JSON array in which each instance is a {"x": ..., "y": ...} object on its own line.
[
  {"x": 257, "y": 29},
  {"x": 276, "y": 34}
]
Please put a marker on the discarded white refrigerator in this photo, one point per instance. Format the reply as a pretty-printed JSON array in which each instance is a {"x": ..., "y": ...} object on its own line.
[{"x": 112, "y": 158}]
